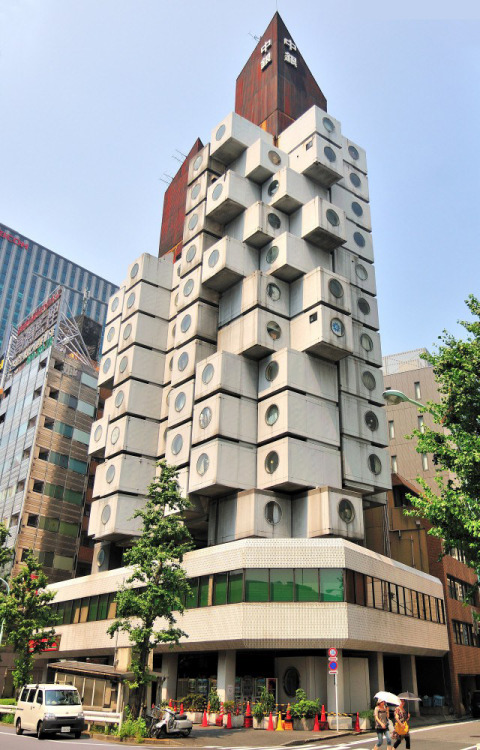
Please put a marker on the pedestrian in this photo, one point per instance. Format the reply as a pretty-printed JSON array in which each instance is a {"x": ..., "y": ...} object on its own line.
[
  {"x": 380, "y": 715},
  {"x": 401, "y": 719}
]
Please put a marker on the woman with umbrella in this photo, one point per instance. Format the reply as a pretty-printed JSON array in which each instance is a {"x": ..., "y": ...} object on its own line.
[
  {"x": 380, "y": 715},
  {"x": 400, "y": 730}
]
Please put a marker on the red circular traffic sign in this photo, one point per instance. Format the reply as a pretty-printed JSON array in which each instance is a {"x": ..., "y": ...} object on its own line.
[{"x": 332, "y": 653}]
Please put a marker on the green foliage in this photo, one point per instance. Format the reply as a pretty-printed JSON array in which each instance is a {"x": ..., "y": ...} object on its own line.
[
  {"x": 193, "y": 702},
  {"x": 264, "y": 705},
  {"x": 156, "y": 559},
  {"x": 7, "y": 702},
  {"x": 366, "y": 714},
  {"x": 214, "y": 701},
  {"x": 132, "y": 727},
  {"x": 28, "y": 618},
  {"x": 6, "y": 553},
  {"x": 229, "y": 706},
  {"x": 304, "y": 708},
  {"x": 453, "y": 509},
  {"x": 7, "y": 718}
]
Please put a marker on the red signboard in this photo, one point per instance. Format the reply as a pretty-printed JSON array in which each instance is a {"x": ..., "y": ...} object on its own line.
[
  {"x": 48, "y": 647},
  {"x": 36, "y": 313},
  {"x": 10, "y": 238}
]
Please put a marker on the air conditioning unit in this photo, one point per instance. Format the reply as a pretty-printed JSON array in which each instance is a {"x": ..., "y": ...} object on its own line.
[
  {"x": 257, "y": 290},
  {"x": 192, "y": 254},
  {"x": 132, "y": 435},
  {"x": 110, "y": 339},
  {"x": 201, "y": 162},
  {"x": 288, "y": 257},
  {"x": 191, "y": 290},
  {"x": 111, "y": 518},
  {"x": 98, "y": 437},
  {"x": 288, "y": 190},
  {"x": 358, "y": 271},
  {"x": 147, "y": 299},
  {"x": 262, "y": 161},
  {"x": 323, "y": 332},
  {"x": 319, "y": 160},
  {"x": 125, "y": 474},
  {"x": 299, "y": 415},
  {"x": 226, "y": 262},
  {"x": 144, "y": 330},
  {"x": 135, "y": 398},
  {"x": 228, "y": 373},
  {"x": 288, "y": 465},
  {"x": 355, "y": 181},
  {"x": 355, "y": 155},
  {"x": 361, "y": 379},
  {"x": 177, "y": 448},
  {"x": 255, "y": 335},
  {"x": 356, "y": 209},
  {"x": 326, "y": 511},
  {"x": 225, "y": 416},
  {"x": 233, "y": 135},
  {"x": 180, "y": 407},
  {"x": 153, "y": 270},
  {"x": 366, "y": 344},
  {"x": 365, "y": 466},
  {"x": 290, "y": 368},
  {"x": 187, "y": 357},
  {"x": 363, "y": 420},
  {"x": 250, "y": 513},
  {"x": 219, "y": 467},
  {"x": 229, "y": 196},
  {"x": 364, "y": 308},
  {"x": 115, "y": 305},
  {"x": 197, "y": 191},
  {"x": 320, "y": 223},
  {"x": 320, "y": 286},
  {"x": 106, "y": 371},
  {"x": 314, "y": 120},
  {"x": 197, "y": 221},
  {"x": 141, "y": 364},
  {"x": 197, "y": 321}
]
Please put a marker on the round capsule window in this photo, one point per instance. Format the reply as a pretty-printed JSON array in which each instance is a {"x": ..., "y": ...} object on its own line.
[
  {"x": 186, "y": 323},
  {"x": 207, "y": 373},
  {"x": 177, "y": 444},
  {"x": 368, "y": 380},
  {"x": 98, "y": 433},
  {"x": 180, "y": 400},
  {"x": 176, "y": 300},
  {"x": 170, "y": 364},
  {"x": 203, "y": 462},
  {"x": 115, "y": 303},
  {"x": 353, "y": 153},
  {"x": 363, "y": 306},
  {"x": 167, "y": 400},
  {"x": 273, "y": 291},
  {"x": 328, "y": 125},
  {"x": 361, "y": 272},
  {"x": 179, "y": 270},
  {"x": 271, "y": 371},
  {"x": 346, "y": 511},
  {"x": 274, "y": 158},
  {"x": 134, "y": 271},
  {"x": 182, "y": 361},
  {"x": 220, "y": 132},
  {"x": 271, "y": 462},
  {"x": 217, "y": 191},
  {"x": 273, "y": 187},
  {"x": 274, "y": 330},
  {"x": 271, "y": 254},
  {"x": 109, "y": 476},
  {"x": 188, "y": 288},
  {"x": 106, "y": 365},
  {"x": 119, "y": 399},
  {"x": 355, "y": 180},
  {"x": 123, "y": 364},
  {"x": 127, "y": 331},
  {"x": 366, "y": 342},
  {"x": 273, "y": 512},
  {"x": 271, "y": 415},
  {"x": 195, "y": 191},
  {"x": 205, "y": 417},
  {"x": 332, "y": 217},
  {"x": 115, "y": 435},
  {"x": 192, "y": 222},
  {"x": 330, "y": 153},
  {"x": 131, "y": 300},
  {"x": 106, "y": 513},
  {"x": 111, "y": 333},
  {"x": 274, "y": 221},
  {"x": 374, "y": 464},
  {"x": 197, "y": 163},
  {"x": 213, "y": 259},
  {"x": 191, "y": 253},
  {"x": 335, "y": 288},
  {"x": 337, "y": 327},
  {"x": 359, "y": 239},
  {"x": 101, "y": 557},
  {"x": 357, "y": 209},
  {"x": 371, "y": 420}
]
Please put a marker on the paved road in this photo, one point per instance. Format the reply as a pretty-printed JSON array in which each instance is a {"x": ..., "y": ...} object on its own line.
[{"x": 461, "y": 736}]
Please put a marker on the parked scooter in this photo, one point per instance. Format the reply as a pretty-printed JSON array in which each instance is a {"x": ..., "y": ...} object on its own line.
[{"x": 171, "y": 723}]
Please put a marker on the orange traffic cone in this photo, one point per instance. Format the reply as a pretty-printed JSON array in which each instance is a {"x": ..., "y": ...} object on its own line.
[
  {"x": 357, "y": 723},
  {"x": 219, "y": 719},
  {"x": 280, "y": 726},
  {"x": 205, "y": 720},
  {"x": 228, "y": 725},
  {"x": 248, "y": 723},
  {"x": 270, "y": 726},
  {"x": 316, "y": 726},
  {"x": 181, "y": 708},
  {"x": 170, "y": 703},
  {"x": 288, "y": 723}
]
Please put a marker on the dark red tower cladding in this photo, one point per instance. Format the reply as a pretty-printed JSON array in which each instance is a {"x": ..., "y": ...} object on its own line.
[
  {"x": 275, "y": 87},
  {"x": 173, "y": 218}
]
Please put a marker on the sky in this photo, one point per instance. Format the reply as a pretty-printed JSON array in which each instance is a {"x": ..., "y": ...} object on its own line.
[{"x": 98, "y": 97}]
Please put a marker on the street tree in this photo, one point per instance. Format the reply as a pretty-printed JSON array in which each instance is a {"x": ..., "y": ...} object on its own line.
[
  {"x": 6, "y": 553},
  {"x": 157, "y": 585},
  {"x": 28, "y": 618},
  {"x": 453, "y": 508}
]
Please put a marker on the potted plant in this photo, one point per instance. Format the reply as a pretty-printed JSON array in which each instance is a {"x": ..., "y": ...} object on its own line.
[
  {"x": 214, "y": 703},
  {"x": 193, "y": 705},
  {"x": 366, "y": 719},
  {"x": 303, "y": 711},
  {"x": 262, "y": 708},
  {"x": 238, "y": 718}
]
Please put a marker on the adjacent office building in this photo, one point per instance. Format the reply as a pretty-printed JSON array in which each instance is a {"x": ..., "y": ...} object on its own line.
[{"x": 253, "y": 364}]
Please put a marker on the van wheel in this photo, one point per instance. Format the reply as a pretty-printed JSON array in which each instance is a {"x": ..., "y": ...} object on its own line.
[
  {"x": 77, "y": 735},
  {"x": 18, "y": 727},
  {"x": 40, "y": 734}
]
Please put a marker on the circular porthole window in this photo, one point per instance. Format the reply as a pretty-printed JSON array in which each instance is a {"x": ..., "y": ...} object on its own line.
[
  {"x": 123, "y": 364},
  {"x": 273, "y": 512},
  {"x": 111, "y": 333},
  {"x": 186, "y": 323},
  {"x": 167, "y": 400},
  {"x": 363, "y": 306},
  {"x": 374, "y": 464},
  {"x": 368, "y": 380},
  {"x": 359, "y": 239},
  {"x": 274, "y": 221},
  {"x": 217, "y": 191},
  {"x": 366, "y": 342},
  {"x": 273, "y": 291},
  {"x": 273, "y": 187},
  {"x": 176, "y": 300},
  {"x": 337, "y": 327},
  {"x": 274, "y": 330},
  {"x": 271, "y": 254},
  {"x": 207, "y": 373},
  {"x": 355, "y": 180},
  {"x": 106, "y": 513},
  {"x": 170, "y": 364},
  {"x": 371, "y": 421},
  {"x": 134, "y": 271},
  {"x": 361, "y": 272},
  {"x": 271, "y": 371},
  {"x": 115, "y": 304},
  {"x": 180, "y": 401},
  {"x": 110, "y": 474},
  {"x": 271, "y": 462},
  {"x": 197, "y": 163},
  {"x": 192, "y": 222},
  {"x": 119, "y": 399},
  {"x": 346, "y": 511},
  {"x": 220, "y": 132},
  {"x": 274, "y": 158},
  {"x": 203, "y": 463},
  {"x": 131, "y": 300},
  {"x": 335, "y": 288},
  {"x": 205, "y": 417},
  {"x": 98, "y": 433},
  {"x": 332, "y": 217},
  {"x": 179, "y": 270},
  {"x": 213, "y": 259},
  {"x": 330, "y": 153},
  {"x": 106, "y": 365},
  {"x": 191, "y": 253},
  {"x": 353, "y": 153},
  {"x": 271, "y": 415},
  {"x": 101, "y": 557},
  {"x": 188, "y": 288},
  {"x": 115, "y": 435},
  {"x": 328, "y": 125},
  {"x": 195, "y": 191},
  {"x": 177, "y": 444},
  {"x": 182, "y": 361},
  {"x": 357, "y": 209},
  {"x": 291, "y": 681},
  {"x": 127, "y": 331}
]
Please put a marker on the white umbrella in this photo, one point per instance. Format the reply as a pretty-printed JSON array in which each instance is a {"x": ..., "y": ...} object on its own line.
[{"x": 383, "y": 695}]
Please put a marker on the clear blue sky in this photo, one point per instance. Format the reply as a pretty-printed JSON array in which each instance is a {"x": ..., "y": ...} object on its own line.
[{"x": 96, "y": 95}]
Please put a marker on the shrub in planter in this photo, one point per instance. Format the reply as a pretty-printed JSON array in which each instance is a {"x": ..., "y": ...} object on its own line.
[
  {"x": 193, "y": 702},
  {"x": 214, "y": 701},
  {"x": 366, "y": 719},
  {"x": 303, "y": 711}
]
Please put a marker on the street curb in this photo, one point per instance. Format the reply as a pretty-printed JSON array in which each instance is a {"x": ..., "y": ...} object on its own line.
[{"x": 315, "y": 738}]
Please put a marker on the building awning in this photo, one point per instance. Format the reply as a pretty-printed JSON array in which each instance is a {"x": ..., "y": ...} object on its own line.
[{"x": 90, "y": 669}]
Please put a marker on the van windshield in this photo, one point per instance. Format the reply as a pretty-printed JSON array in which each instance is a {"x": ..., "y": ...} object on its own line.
[{"x": 62, "y": 698}]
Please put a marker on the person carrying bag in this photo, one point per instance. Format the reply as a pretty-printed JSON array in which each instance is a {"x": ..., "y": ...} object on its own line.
[
  {"x": 380, "y": 715},
  {"x": 401, "y": 729}
]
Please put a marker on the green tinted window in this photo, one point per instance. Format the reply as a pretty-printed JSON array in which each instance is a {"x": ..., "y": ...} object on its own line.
[
  {"x": 220, "y": 588},
  {"x": 102, "y": 607},
  {"x": 235, "y": 586},
  {"x": 69, "y": 529},
  {"x": 48, "y": 524},
  {"x": 79, "y": 466},
  {"x": 53, "y": 490},
  {"x": 71, "y": 496},
  {"x": 67, "y": 615},
  {"x": 306, "y": 585},
  {"x": 58, "y": 458},
  {"x": 256, "y": 585},
  {"x": 93, "y": 609},
  {"x": 63, "y": 429},
  {"x": 192, "y": 598},
  {"x": 331, "y": 585},
  {"x": 88, "y": 380},
  {"x": 203, "y": 591},
  {"x": 281, "y": 585},
  {"x": 81, "y": 436},
  {"x": 86, "y": 408}
]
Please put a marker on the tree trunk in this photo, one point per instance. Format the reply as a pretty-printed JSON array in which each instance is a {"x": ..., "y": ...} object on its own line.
[{"x": 140, "y": 692}]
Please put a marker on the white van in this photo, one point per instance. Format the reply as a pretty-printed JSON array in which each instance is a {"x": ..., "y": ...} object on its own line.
[{"x": 48, "y": 709}]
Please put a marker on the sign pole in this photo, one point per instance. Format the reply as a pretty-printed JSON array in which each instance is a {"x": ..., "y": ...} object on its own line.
[{"x": 336, "y": 697}]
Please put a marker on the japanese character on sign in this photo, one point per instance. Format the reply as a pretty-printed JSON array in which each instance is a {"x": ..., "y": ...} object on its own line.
[
  {"x": 266, "y": 47},
  {"x": 290, "y": 59},
  {"x": 291, "y": 45},
  {"x": 266, "y": 60}
]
